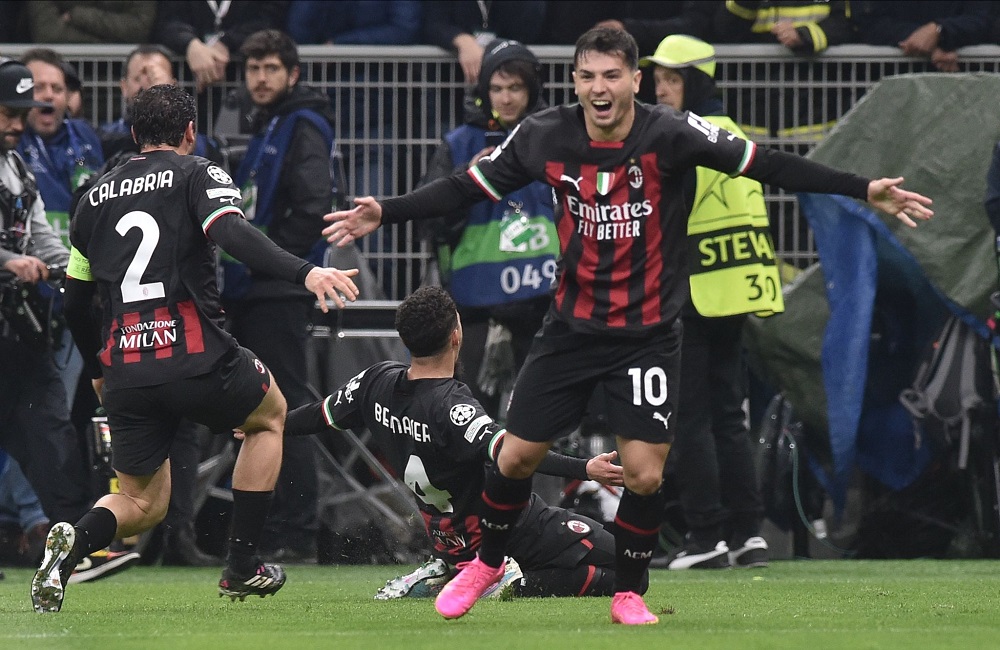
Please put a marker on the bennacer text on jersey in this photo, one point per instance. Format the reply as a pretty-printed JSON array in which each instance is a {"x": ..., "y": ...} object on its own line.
[
  {"x": 405, "y": 425},
  {"x": 129, "y": 186}
]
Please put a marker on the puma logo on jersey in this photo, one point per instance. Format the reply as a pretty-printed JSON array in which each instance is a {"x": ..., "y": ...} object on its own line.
[
  {"x": 664, "y": 419},
  {"x": 575, "y": 182}
]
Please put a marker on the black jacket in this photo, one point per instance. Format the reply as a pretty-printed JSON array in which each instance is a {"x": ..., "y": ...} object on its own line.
[{"x": 304, "y": 192}]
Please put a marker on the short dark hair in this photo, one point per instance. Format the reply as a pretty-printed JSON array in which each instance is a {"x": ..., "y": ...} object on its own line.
[
  {"x": 45, "y": 55},
  {"x": 271, "y": 41},
  {"x": 526, "y": 70},
  {"x": 147, "y": 49},
  {"x": 425, "y": 321},
  {"x": 607, "y": 40},
  {"x": 160, "y": 115}
]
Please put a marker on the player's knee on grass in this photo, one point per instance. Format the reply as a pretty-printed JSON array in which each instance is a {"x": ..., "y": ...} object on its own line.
[{"x": 586, "y": 580}]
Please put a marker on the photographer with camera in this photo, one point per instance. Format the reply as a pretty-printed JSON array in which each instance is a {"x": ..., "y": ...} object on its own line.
[{"x": 35, "y": 427}]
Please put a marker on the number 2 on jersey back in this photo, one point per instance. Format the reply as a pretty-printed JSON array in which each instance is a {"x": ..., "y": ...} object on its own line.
[{"x": 133, "y": 290}]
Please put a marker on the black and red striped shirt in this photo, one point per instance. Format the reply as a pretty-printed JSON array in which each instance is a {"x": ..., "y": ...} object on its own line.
[
  {"x": 623, "y": 208},
  {"x": 623, "y": 218},
  {"x": 142, "y": 229}
]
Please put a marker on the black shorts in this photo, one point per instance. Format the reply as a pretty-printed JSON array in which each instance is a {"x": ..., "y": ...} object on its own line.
[
  {"x": 144, "y": 420},
  {"x": 639, "y": 378},
  {"x": 555, "y": 538}
]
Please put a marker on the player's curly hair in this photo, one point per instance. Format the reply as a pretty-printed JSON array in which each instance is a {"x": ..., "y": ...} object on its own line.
[
  {"x": 161, "y": 113},
  {"x": 608, "y": 40},
  {"x": 425, "y": 321}
]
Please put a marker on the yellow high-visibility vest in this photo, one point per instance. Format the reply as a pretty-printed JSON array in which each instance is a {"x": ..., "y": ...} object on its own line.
[{"x": 731, "y": 255}]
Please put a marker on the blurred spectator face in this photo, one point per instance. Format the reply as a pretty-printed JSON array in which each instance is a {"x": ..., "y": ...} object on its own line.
[
  {"x": 268, "y": 80},
  {"x": 145, "y": 70},
  {"x": 669, "y": 87},
  {"x": 508, "y": 97},
  {"x": 50, "y": 86},
  {"x": 11, "y": 126}
]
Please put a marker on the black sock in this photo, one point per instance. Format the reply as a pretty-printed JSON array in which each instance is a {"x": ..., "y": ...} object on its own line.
[
  {"x": 249, "y": 511},
  {"x": 637, "y": 529},
  {"x": 95, "y": 530},
  {"x": 504, "y": 499}
]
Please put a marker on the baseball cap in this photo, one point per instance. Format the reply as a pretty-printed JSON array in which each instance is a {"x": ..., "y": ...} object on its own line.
[
  {"x": 682, "y": 51},
  {"x": 17, "y": 86}
]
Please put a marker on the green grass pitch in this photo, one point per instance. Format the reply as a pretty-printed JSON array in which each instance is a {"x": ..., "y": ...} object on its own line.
[{"x": 791, "y": 604}]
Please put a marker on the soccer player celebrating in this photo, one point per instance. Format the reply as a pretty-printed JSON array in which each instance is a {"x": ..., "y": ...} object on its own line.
[
  {"x": 617, "y": 167},
  {"x": 145, "y": 239},
  {"x": 435, "y": 435}
]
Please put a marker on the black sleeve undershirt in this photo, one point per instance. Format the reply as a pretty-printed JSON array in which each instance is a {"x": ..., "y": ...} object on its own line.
[
  {"x": 78, "y": 307},
  {"x": 797, "y": 174},
  {"x": 772, "y": 166},
  {"x": 565, "y": 466},
  {"x": 441, "y": 196},
  {"x": 252, "y": 247}
]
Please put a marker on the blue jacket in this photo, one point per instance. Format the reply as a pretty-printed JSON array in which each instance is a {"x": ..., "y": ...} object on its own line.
[{"x": 60, "y": 165}]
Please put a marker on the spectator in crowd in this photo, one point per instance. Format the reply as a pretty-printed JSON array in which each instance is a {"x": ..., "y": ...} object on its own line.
[
  {"x": 467, "y": 26},
  {"x": 62, "y": 152},
  {"x": 287, "y": 187},
  {"x": 90, "y": 21},
  {"x": 622, "y": 283},
  {"x": 145, "y": 66},
  {"x": 555, "y": 552},
  {"x": 35, "y": 426},
  {"x": 209, "y": 34},
  {"x": 498, "y": 260},
  {"x": 712, "y": 455},
  {"x": 926, "y": 29},
  {"x": 803, "y": 26}
]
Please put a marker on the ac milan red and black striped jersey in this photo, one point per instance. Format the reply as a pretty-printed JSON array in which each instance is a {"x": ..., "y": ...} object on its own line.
[
  {"x": 623, "y": 210},
  {"x": 142, "y": 230},
  {"x": 433, "y": 434}
]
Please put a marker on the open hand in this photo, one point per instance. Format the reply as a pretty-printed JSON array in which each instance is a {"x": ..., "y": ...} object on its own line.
[
  {"x": 601, "y": 469},
  {"x": 332, "y": 283},
  {"x": 349, "y": 225},
  {"x": 887, "y": 195}
]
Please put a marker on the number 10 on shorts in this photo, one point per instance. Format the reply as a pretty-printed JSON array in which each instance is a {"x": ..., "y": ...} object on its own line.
[{"x": 649, "y": 385}]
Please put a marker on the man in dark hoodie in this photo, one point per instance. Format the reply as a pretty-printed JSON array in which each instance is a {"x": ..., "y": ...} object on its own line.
[
  {"x": 498, "y": 260},
  {"x": 712, "y": 455},
  {"x": 286, "y": 186}
]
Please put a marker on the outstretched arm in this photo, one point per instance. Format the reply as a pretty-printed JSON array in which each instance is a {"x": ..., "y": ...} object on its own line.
[
  {"x": 453, "y": 193},
  {"x": 599, "y": 468}
]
